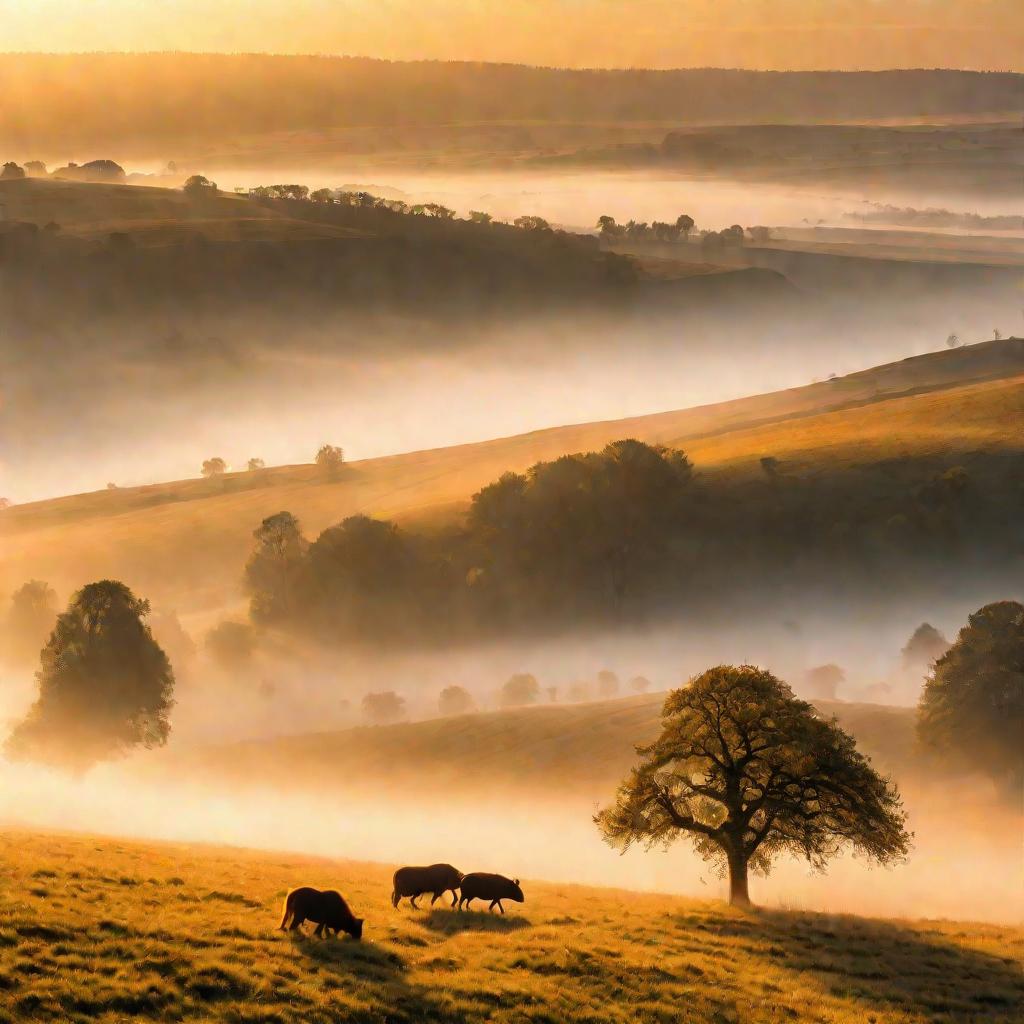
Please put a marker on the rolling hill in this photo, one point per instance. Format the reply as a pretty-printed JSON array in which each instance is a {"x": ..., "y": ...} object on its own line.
[
  {"x": 546, "y": 753},
  {"x": 183, "y": 543},
  {"x": 94, "y": 928},
  {"x": 149, "y": 102}
]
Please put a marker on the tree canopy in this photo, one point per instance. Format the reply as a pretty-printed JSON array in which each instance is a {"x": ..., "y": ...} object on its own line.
[
  {"x": 972, "y": 707},
  {"x": 104, "y": 683},
  {"x": 748, "y": 772},
  {"x": 925, "y": 646}
]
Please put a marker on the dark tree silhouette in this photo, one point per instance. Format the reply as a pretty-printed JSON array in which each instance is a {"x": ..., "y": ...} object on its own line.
[
  {"x": 384, "y": 708},
  {"x": 639, "y": 684},
  {"x": 254, "y": 464},
  {"x": 330, "y": 458},
  {"x": 276, "y": 570},
  {"x": 11, "y": 171},
  {"x": 455, "y": 700},
  {"x": 522, "y": 688},
  {"x": 198, "y": 186},
  {"x": 104, "y": 683},
  {"x": 747, "y": 771},
  {"x": 972, "y": 708},
  {"x": 685, "y": 224},
  {"x": 214, "y": 467}
]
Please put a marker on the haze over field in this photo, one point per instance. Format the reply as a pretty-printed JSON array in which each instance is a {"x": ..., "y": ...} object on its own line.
[{"x": 602, "y": 469}]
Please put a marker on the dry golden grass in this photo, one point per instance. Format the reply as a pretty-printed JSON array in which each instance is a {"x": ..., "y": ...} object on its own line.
[
  {"x": 102, "y": 930},
  {"x": 183, "y": 543}
]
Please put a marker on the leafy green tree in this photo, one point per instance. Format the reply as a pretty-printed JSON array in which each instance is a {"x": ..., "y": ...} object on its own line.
[
  {"x": 584, "y": 532},
  {"x": 275, "y": 574},
  {"x": 455, "y": 700},
  {"x": 105, "y": 684},
  {"x": 747, "y": 772},
  {"x": 972, "y": 708},
  {"x": 364, "y": 572}
]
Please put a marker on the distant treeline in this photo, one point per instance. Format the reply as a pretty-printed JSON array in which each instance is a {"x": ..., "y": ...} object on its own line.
[
  {"x": 627, "y": 534},
  {"x": 54, "y": 102},
  {"x": 392, "y": 261}
]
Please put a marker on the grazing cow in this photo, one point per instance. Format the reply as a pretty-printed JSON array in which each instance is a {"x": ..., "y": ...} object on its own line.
[
  {"x": 482, "y": 886},
  {"x": 414, "y": 882},
  {"x": 328, "y": 909}
]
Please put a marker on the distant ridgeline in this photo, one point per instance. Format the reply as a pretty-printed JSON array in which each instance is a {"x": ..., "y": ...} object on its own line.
[
  {"x": 632, "y": 533},
  {"x": 152, "y": 101}
]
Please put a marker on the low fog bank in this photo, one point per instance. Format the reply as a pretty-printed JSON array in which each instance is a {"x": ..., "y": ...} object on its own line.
[
  {"x": 576, "y": 198},
  {"x": 961, "y": 867},
  {"x": 169, "y": 396}
]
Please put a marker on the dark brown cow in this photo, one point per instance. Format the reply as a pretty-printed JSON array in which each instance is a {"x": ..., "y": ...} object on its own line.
[
  {"x": 482, "y": 886},
  {"x": 436, "y": 879},
  {"x": 327, "y": 909}
]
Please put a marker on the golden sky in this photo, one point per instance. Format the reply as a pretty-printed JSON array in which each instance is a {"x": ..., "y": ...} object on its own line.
[{"x": 774, "y": 34}]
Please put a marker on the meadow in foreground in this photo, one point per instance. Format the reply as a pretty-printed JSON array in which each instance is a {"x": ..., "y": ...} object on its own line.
[{"x": 101, "y": 929}]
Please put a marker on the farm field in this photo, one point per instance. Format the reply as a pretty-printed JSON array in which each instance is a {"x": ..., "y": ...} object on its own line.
[{"x": 101, "y": 929}]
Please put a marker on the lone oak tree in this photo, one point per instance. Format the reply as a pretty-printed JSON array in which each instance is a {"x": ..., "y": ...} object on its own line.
[{"x": 748, "y": 772}]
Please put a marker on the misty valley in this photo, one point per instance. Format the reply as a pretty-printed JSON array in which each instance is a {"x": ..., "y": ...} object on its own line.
[{"x": 598, "y": 495}]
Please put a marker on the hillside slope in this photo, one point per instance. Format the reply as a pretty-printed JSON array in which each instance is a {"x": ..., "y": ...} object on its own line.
[
  {"x": 582, "y": 750},
  {"x": 187, "y": 100},
  {"x": 184, "y": 542},
  {"x": 101, "y": 929}
]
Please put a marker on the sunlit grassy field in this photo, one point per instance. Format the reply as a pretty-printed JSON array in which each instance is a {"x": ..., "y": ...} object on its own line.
[{"x": 99, "y": 929}]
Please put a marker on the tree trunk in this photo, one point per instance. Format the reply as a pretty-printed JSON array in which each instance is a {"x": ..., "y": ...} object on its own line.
[{"x": 738, "y": 893}]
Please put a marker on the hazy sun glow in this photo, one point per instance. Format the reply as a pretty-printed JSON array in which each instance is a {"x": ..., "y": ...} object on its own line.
[{"x": 768, "y": 34}]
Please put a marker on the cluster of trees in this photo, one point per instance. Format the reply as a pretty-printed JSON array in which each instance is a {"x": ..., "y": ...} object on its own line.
[
  {"x": 679, "y": 231},
  {"x": 94, "y": 170},
  {"x": 586, "y": 536},
  {"x": 329, "y": 458},
  {"x": 640, "y": 231},
  {"x": 613, "y": 536},
  {"x": 368, "y": 201}
]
